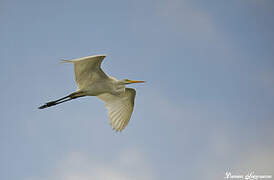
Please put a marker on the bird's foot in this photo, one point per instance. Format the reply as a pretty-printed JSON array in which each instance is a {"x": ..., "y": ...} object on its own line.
[{"x": 52, "y": 103}]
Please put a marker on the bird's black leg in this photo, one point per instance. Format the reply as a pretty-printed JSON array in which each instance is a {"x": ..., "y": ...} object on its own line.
[{"x": 61, "y": 100}]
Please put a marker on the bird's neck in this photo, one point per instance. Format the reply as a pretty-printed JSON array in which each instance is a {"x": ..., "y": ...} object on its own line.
[{"x": 119, "y": 86}]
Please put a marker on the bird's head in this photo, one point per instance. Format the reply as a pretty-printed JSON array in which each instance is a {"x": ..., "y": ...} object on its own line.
[{"x": 128, "y": 81}]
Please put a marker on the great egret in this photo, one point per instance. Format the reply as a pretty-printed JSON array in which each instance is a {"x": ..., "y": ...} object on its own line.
[{"x": 92, "y": 81}]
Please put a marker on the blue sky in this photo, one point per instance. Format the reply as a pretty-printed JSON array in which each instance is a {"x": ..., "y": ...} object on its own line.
[{"x": 207, "y": 106}]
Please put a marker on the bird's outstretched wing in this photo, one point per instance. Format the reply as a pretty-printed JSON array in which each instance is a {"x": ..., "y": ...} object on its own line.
[
  {"x": 87, "y": 69},
  {"x": 119, "y": 107}
]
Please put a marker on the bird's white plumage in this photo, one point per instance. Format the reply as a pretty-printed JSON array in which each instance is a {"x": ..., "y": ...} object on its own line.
[
  {"x": 91, "y": 80},
  {"x": 88, "y": 70},
  {"x": 119, "y": 107}
]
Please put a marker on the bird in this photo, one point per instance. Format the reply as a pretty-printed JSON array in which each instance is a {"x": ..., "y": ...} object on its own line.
[{"x": 91, "y": 80}]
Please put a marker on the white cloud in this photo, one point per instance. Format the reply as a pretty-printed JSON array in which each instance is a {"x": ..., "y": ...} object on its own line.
[
  {"x": 226, "y": 148},
  {"x": 259, "y": 159},
  {"x": 131, "y": 164}
]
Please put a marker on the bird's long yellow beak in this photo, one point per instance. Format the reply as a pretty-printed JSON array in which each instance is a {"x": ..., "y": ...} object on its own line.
[{"x": 131, "y": 81}]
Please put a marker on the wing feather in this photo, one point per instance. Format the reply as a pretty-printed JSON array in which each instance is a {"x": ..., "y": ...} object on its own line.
[
  {"x": 119, "y": 108},
  {"x": 87, "y": 69}
]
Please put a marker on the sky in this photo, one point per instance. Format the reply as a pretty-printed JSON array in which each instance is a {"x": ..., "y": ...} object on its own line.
[{"x": 206, "y": 109}]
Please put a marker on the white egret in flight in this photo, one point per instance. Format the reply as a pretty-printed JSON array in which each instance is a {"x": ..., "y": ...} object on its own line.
[{"x": 92, "y": 81}]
